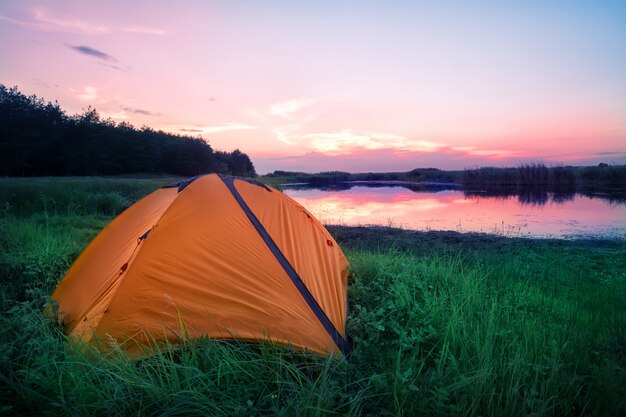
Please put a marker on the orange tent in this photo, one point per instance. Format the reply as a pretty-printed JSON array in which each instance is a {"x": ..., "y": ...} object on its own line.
[{"x": 216, "y": 256}]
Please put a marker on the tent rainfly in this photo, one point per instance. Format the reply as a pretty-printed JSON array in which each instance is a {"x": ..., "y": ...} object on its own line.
[{"x": 211, "y": 256}]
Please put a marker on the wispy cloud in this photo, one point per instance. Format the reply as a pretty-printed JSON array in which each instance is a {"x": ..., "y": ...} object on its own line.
[
  {"x": 120, "y": 115},
  {"x": 491, "y": 153},
  {"x": 23, "y": 23},
  {"x": 226, "y": 127},
  {"x": 287, "y": 108},
  {"x": 106, "y": 64},
  {"x": 43, "y": 20},
  {"x": 472, "y": 151},
  {"x": 102, "y": 58},
  {"x": 299, "y": 114},
  {"x": 610, "y": 153},
  {"x": 283, "y": 133},
  {"x": 44, "y": 84},
  {"x": 344, "y": 141},
  {"x": 289, "y": 121},
  {"x": 49, "y": 22},
  {"x": 208, "y": 130},
  {"x": 88, "y": 93},
  {"x": 89, "y": 51},
  {"x": 140, "y": 111},
  {"x": 347, "y": 141},
  {"x": 143, "y": 30},
  {"x": 377, "y": 160}
]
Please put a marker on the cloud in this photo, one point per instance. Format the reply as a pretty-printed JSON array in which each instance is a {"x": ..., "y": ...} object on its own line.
[
  {"x": 487, "y": 153},
  {"x": 141, "y": 111},
  {"x": 23, "y": 23},
  {"x": 103, "y": 58},
  {"x": 44, "y": 84},
  {"x": 118, "y": 115},
  {"x": 359, "y": 146},
  {"x": 610, "y": 153},
  {"x": 493, "y": 153},
  {"x": 344, "y": 141},
  {"x": 87, "y": 94},
  {"x": 377, "y": 160},
  {"x": 208, "y": 130},
  {"x": 226, "y": 127},
  {"x": 287, "y": 133},
  {"x": 347, "y": 141},
  {"x": 115, "y": 67},
  {"x": 287, "y": 108},
  {"x": 89, "y": 51},
  {"x": 338, "y": 142},
  {"x": 49, "y": 22},
  {"x": 283, "y": 133},
  {"x": 143, "y": 30},
  {"x": 42, "y": 20}
]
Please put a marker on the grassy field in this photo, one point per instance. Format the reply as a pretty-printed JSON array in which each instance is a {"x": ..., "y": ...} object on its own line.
[{"x": 441, "y": 324}]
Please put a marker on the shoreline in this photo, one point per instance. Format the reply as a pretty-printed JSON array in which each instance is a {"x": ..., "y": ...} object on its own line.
[
  {"x": 372, "y": 236},
  {"x": 513, "y": 189}
]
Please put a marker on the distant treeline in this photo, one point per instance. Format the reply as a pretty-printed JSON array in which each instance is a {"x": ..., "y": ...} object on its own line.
[
  {"x": 39, "y": 138},
  {"x": 431, "y": 175},
  {"x": 538, "y": 175},
  {"x": 534, "y": 175}
]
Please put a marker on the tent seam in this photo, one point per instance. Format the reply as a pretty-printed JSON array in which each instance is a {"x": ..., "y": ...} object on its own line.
[{"x": 308, "y": 297}]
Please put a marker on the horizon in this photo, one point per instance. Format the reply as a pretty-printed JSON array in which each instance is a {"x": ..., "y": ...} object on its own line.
[{"x": 354, "y": 87}]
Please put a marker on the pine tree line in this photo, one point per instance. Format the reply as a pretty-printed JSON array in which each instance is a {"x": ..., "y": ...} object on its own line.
[{"x": 39, "y": 138}]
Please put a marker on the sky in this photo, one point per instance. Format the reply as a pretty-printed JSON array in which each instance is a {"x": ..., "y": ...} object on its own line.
[{"x": 359, "y": 86}]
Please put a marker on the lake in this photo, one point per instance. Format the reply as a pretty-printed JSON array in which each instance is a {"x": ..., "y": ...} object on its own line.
[{"x": 535, "y": 214}]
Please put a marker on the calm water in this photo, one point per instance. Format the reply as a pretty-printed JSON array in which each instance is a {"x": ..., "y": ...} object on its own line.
[{"x": 538, "y": 214}]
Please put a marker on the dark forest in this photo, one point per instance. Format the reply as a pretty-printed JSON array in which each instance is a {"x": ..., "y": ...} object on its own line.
[{"x": 38, "y": 138}]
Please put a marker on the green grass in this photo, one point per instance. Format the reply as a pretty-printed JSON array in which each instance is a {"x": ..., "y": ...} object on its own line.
[
  {"x": 97, "y": 196},
  {"x": 441, "y": 324}
]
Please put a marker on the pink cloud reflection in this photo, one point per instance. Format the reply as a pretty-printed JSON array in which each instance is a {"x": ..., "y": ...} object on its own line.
[{"x": 451, "y": 210}]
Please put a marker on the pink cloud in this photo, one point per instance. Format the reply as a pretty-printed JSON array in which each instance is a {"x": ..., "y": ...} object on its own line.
[
  {"x": 41, "y": 19},
  {"x": 389, "y": 160}
]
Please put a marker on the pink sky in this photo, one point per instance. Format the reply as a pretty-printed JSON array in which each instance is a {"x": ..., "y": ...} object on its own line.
[{"x": 356, "y": 86}]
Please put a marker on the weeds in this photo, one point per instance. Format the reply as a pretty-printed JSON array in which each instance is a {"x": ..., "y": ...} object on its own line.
[{"x": 536, "y": 176}]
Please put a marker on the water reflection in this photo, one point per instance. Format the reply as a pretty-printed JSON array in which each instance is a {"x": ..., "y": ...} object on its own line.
[
  {"x": 531, "y": 212},
  {"x": 530, "y": 197},
  {"x": 541, "y": 197}
]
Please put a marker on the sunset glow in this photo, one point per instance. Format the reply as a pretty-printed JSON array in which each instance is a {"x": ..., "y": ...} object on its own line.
[{"x": 351, "y": 86}]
